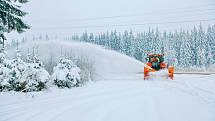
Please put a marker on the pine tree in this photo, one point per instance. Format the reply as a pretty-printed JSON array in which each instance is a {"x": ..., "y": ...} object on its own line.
[
  {"x": 170, "y": 52},
  {"x": 35, "y": 77},
  {"x": 10, "y": 19},
  {"x": 106, "y": 40},
  {"x": 120, "y": 42},
  {"x": 127, "y": 43},
  {"x": 149, "y": 41},
  {"x": 4, "y": 73},
  {"x": 66, "y": 74},
  {"x": 210, "y": 46},
  {"x": 201, "y": 48},
  {"x": 213, "y": 44},
  {"x": 115, "y": 42},
  {"x": 185, "y": 50},
  {"x": 138, "y": 47},
  {"x": 177, "y": 46},
  {"x": 131, "y": 44},
  {"x": 91, "y": 38},
  {"x": 17, "y": 69},
  {"x": 84, "y": 37}
]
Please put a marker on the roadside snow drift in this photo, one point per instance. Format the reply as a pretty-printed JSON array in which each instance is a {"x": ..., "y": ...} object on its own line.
[{"x": 120, "y": 95}]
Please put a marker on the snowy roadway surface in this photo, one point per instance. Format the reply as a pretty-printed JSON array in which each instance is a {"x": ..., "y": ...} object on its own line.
[
  {"x": 119, "y": 94},
  {"x": 187, "y": 98}
]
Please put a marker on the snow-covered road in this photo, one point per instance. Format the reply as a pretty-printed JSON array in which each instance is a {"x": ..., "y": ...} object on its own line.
[
  {"x": 119, "y": 94},
  {"x": 187, "y": 98}
]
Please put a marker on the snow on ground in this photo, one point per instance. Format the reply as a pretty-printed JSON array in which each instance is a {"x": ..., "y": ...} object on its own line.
[
  {"x": 123, "y": 96},
  {"x": 187, "y": 98}
]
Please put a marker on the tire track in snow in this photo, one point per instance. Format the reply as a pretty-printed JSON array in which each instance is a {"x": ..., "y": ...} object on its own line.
[
  {"x": 30, "y": 102},
  {"x": 141, "y": 106},
  {"x": 120, "y": 100},
  {"x": 95, "y": 104},
  {"x": 188, "y": 89},
  {"x": 111, "y": 101},
  {"x": 57, "y": 102}
]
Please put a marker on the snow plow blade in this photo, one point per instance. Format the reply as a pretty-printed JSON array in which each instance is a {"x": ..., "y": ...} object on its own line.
[{"x": 148, "y": 70}]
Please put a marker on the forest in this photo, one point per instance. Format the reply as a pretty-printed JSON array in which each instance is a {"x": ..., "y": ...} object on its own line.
[{"x": 193, "y": 48}]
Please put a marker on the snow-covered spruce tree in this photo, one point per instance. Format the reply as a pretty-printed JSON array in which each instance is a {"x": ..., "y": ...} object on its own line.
[
  {"x": 149, "y": 40},
  {"x": 138, "y": 47},
  {"x": 66, "y": 74},
  {"x": 210, "y": 46},
  {"x": 106, "y": 39},
  {"x": 35, "y": 77},
  {"x": 194, "y": 55},
  {"x": 127, "y": 43},
  {"x": 84, "y": 37},
  {"x": 4, "y": 73},
  {"x": 10, "y": 17},
  {"x": 185, "y": 50},
  {"x": 156, "y": 42},
  {"x": 177, "y": 37},
  {"x": 17, "y": 68},
  {"x": 132, "y": 44},
  {"x": 91, "y": 38},
  {"x": 10, "y": 72},
  {"x": 115, "y": 41},
  {"x": 201, "y": 48}
]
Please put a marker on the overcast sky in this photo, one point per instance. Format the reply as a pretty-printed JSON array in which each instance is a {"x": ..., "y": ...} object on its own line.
[{"x": 76, "y": 16}]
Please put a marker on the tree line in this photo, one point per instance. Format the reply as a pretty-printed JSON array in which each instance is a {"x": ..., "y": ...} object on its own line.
[{"x": 187, "y": 48}]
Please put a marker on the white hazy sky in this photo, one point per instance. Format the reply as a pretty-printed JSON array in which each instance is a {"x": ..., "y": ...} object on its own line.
[{"x": 76, "y": 16}]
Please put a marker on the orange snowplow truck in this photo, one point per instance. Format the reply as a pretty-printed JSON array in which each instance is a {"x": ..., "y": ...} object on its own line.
[{"x": 155, "y": 62}]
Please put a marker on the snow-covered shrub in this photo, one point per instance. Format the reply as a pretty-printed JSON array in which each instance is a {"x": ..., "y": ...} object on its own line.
[
  {"x": 20, "y": 76},
  {"x": 4, "y": 73},
  {"x": 34, "y": 78},
  {"x": 66, "y": 74},
  {"x": 10, "y": 73},
  {"x": 17, "y": 68}
]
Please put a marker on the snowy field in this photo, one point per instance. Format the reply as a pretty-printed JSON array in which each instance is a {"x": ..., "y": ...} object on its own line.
[{"x": 120, "y": 94}]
